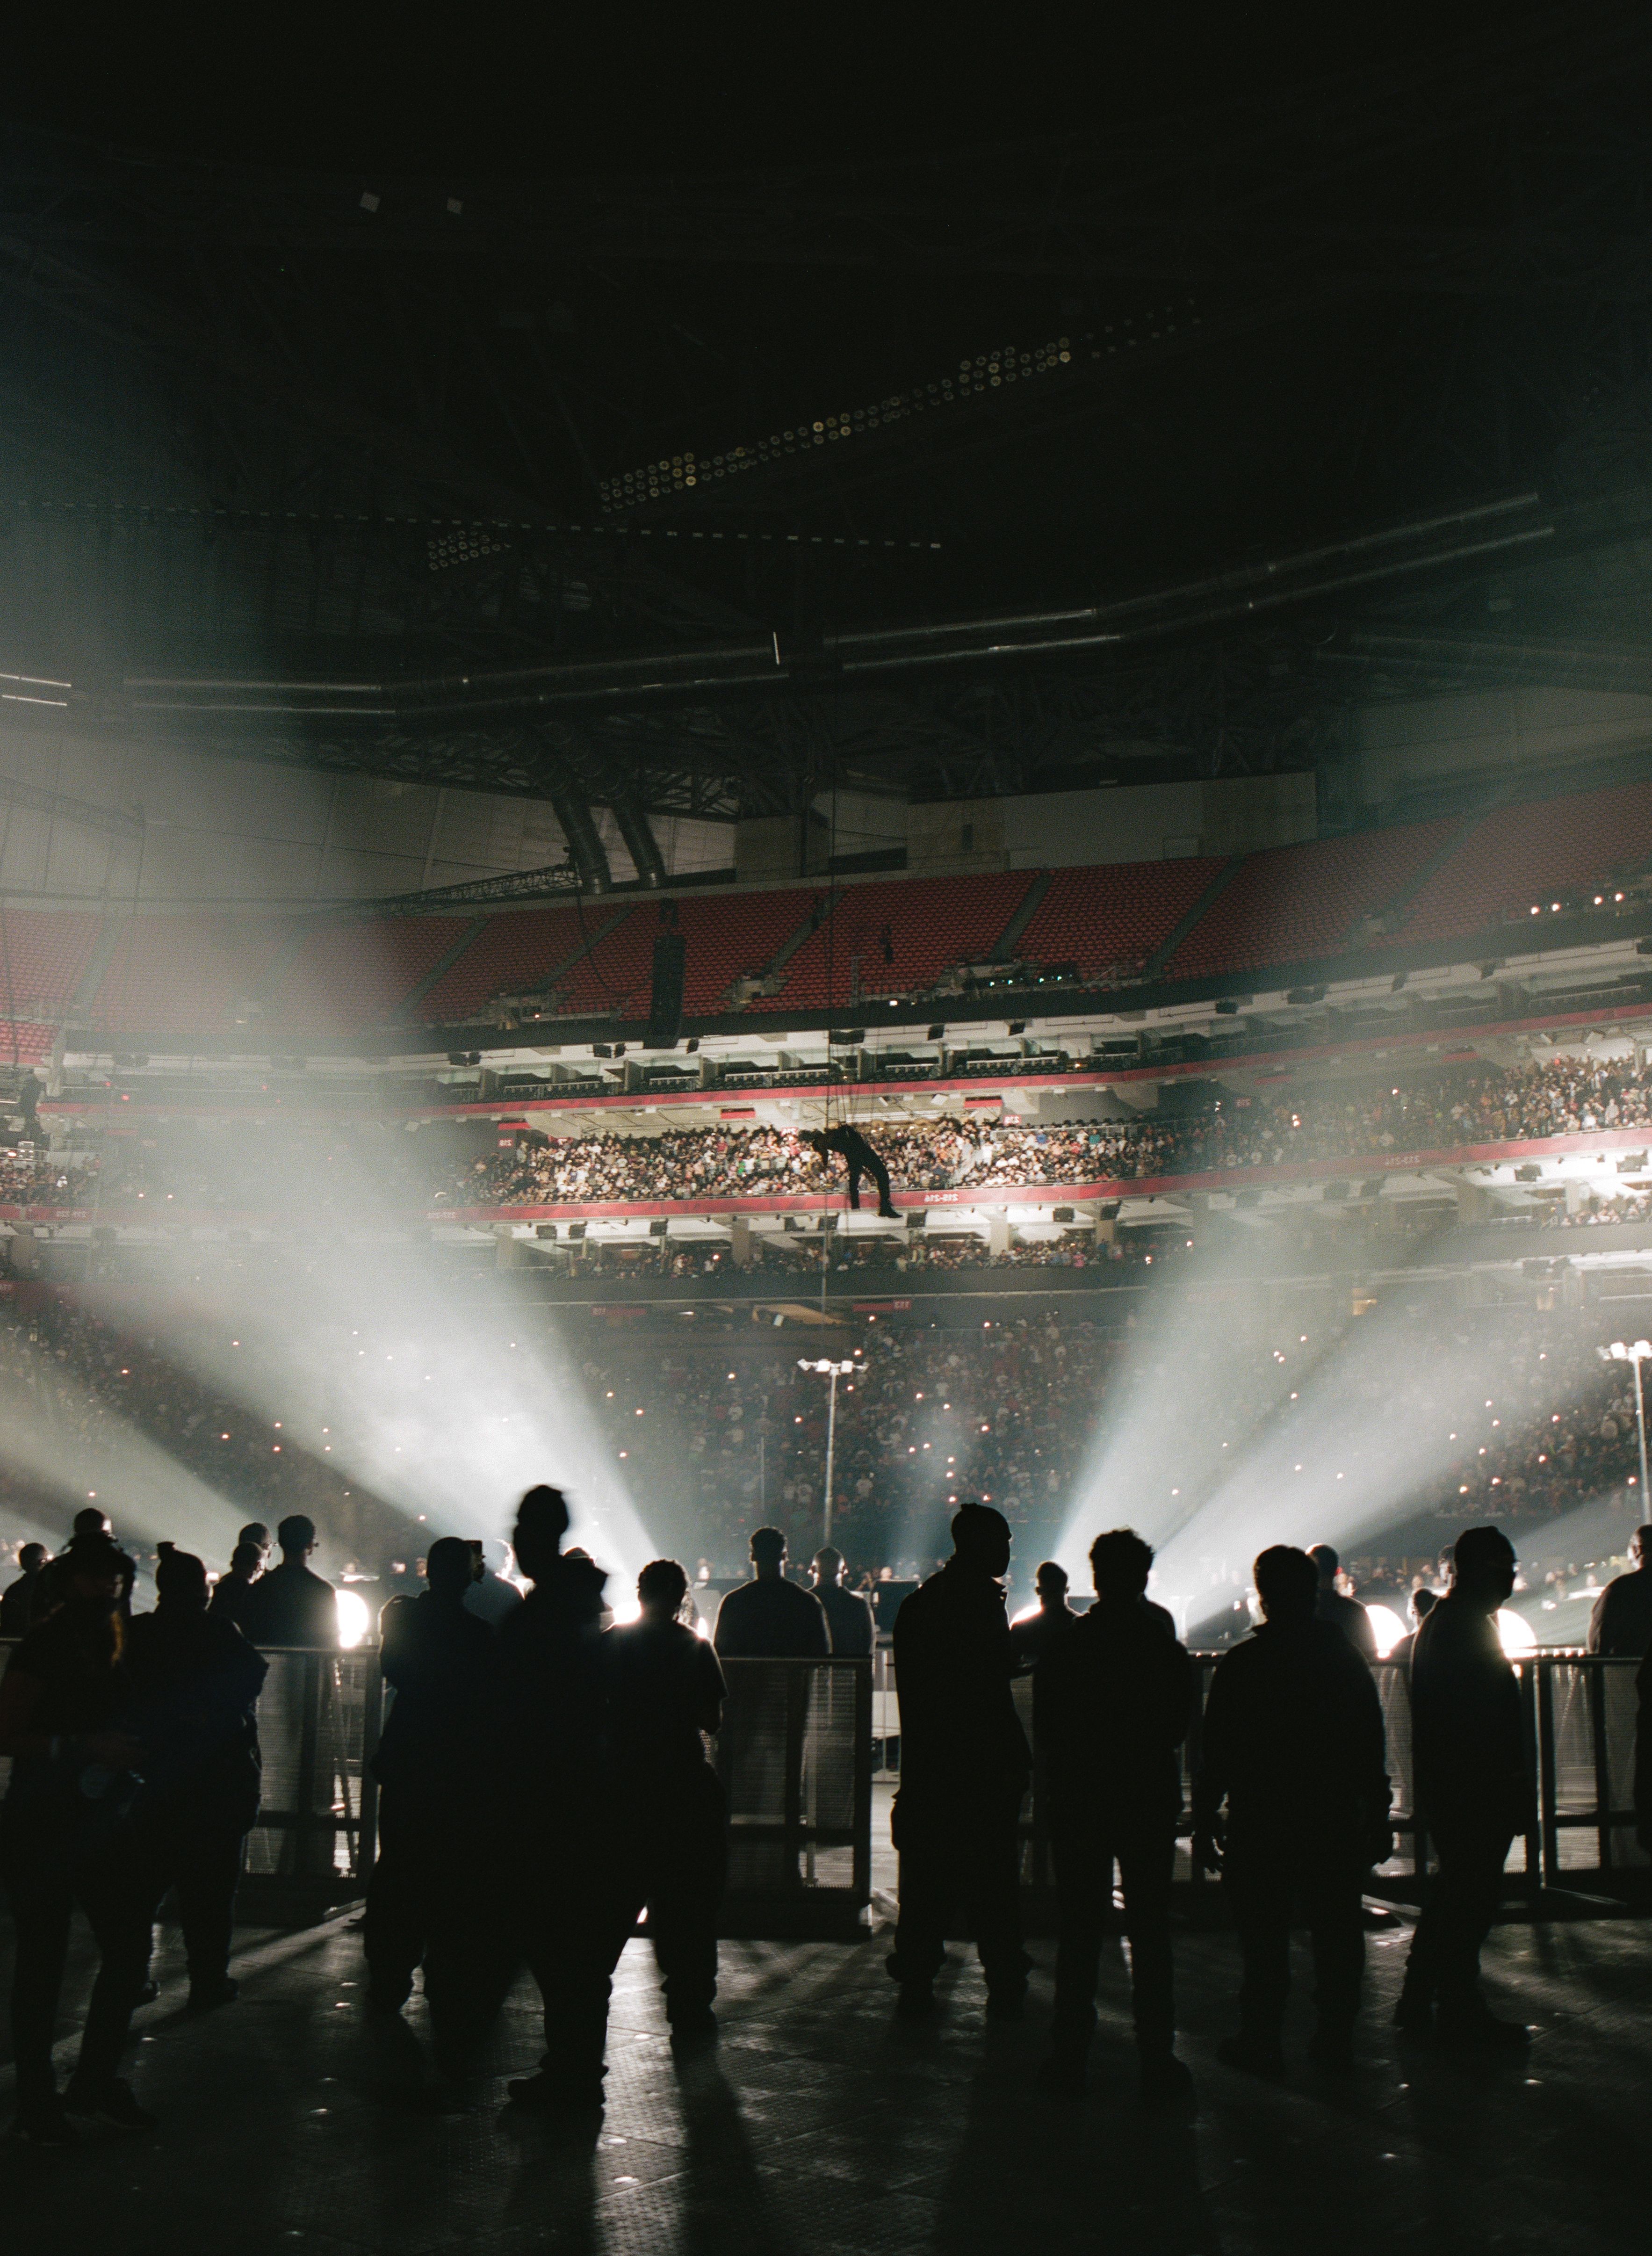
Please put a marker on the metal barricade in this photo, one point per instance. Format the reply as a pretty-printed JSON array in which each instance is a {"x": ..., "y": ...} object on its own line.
[
  {"x": 317, "y": 1725},
  {"x": 794, "y": 1758},
  {"x": 319, "y": 1716},
  {"x": 1580, "y": 1713}
]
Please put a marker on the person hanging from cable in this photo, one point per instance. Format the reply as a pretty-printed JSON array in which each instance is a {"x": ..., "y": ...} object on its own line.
[{"x": 852, "y": 1146}]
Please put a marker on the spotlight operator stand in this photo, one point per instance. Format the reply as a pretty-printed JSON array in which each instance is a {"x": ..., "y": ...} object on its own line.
[
  {"x": 835, "y": 1371},
  {"x": 1638, "y": 1353}
]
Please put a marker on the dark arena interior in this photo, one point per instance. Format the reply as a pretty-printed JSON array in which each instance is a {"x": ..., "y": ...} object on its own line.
[{"x": 825, "y": 1134}]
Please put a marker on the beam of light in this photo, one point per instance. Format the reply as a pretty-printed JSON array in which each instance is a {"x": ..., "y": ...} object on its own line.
[
  {"x": 1375, "y": 1426},
  {"x": 1204, "y": 1365},
  {"x": 64, "y": 1443},
  {"x": 445, "y": 1404}
]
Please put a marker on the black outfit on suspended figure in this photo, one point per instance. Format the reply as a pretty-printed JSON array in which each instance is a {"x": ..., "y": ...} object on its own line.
[{"x": 852, "y": 1147}]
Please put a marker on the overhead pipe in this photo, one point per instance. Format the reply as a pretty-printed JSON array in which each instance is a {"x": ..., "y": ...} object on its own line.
[{"x": 640, "y": 842}]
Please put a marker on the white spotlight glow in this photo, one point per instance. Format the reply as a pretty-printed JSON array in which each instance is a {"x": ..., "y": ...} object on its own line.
[
  {"x": 1516, "y": 1635},
  {"x": 1387, "y": 1627},
  {"x": 354, "y": 1620}
]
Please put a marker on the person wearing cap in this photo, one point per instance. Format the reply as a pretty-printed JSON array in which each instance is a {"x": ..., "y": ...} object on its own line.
[
  {"x": 72, "y": 1783},
  {"x": 192, "y": 1689},
  {"x": 965, "y": 1764}
]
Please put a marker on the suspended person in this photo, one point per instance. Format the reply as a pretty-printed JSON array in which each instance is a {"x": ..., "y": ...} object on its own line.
[
  {"x": 965, "y": 1764},
  {"x": 1293, "y": 1746},
  {"x": 439, "y": 1788},
  {"x": 1112, "y": 1699},
  {"x": 72, "y": 1788},
  {"x": 192, "y": 1689},
  {"x": 853, "y": 1148},
  {"x": 1469, "y": 1757},
  {"x": 550, "y": 1659},
  {"x": 669, "y": 1819},
  {"x": 289, "y": 1605}
]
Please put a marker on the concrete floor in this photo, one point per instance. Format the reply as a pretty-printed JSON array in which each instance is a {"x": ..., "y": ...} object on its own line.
[{"x": 822, "y": 2127}]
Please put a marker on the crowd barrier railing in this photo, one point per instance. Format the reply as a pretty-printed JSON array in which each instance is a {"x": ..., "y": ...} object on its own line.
[{"x": 1579, "y": 1714}]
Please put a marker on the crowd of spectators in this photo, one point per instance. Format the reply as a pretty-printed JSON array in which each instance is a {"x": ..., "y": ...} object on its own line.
[
  {"x": 1479, "y": 1104},
  {"x": 32, "y": 1176}
]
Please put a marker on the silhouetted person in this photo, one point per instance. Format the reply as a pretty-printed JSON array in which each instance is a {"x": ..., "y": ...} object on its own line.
[
  {"x": 1643, "y": 1754},
  {"x": 17, "y": 1607},
  {"x": 964, "y": 1769},
  {"x": 1621, "y": 1621},
  {"x": 549, "y": 1653},
  {"x": 289, "y": 1605},
  {"x": 1423, "y": 1604},
  {"x": 191, "y": 1698},
  {"x": 438, "y": 1807},
  {"x": 670, "y": 1821},
  {"x": 232, "y": 1592},
  {"x": 1111, "y": 1702},
  {"x": 491, "y": 1596},
  {"x": 90, "y": 1529},
  {"x": 853, "y": 1148},
  {"x": 1293, "y": 1744},
  {"x": 1036, "y": 1634},
  {"x": 769, "y": 1619},
  {"x": 1329, "y": 1605},
  {"x": 71, "y": 1787},
  {"x": 1473, "y": 1791},
  {"x": 257, "y": 1535},
  {"x": 848, "y": 1616}
]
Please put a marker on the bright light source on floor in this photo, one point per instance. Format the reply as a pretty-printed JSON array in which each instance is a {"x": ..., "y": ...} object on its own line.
[
  {"x": 1387, "y": 1627},
  {"x": 1516, "y": 1635},
  {"x": 354, "y": 1620}
]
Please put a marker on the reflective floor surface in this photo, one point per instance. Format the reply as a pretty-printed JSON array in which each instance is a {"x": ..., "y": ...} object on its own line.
[{"x": 822, "y": 2126}]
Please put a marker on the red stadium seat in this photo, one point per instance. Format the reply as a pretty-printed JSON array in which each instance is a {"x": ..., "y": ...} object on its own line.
[
  {"x": 1114, "y": 917},
  {"x": 1522, "y": 856},
  {"x": 1289, "y": 903}
]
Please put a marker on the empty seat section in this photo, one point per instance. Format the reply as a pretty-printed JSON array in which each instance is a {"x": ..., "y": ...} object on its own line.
[
  {"x": 1291, "y": 903},
  {"x": 1112, "y": 918},
  {"x": 25, "y": 1041},
  {"x": 43, "y": 957},
  {"x": 182, "y": 974},
  {"x": 897, "y": 938},
  {"x": 617, "y": 974},
  {"x": 1526, "y": 856},
  {"x": 511, "y": 955},
  {"x": 344, "y": 975},
  {"x": 732, "y": 936}
]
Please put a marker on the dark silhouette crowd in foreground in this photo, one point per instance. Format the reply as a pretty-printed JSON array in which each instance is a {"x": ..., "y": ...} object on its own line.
[{"x": 546, "y": 1778}]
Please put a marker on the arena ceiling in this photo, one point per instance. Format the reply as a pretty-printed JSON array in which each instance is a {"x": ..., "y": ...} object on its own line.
[{"x": 1094, "y": 454}]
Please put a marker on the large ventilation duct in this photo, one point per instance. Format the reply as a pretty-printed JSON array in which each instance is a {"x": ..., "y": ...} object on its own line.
[
  {"x": 584, "y": 842},
  {"x": 640, "y": 843}
]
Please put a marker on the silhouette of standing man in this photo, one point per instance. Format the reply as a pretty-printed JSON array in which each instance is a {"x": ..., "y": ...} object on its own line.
[
  {"x": 769, "y": 1619},
  {"x": 1039, "y": 1632},
  {"x": 848, "y": 1616},
  {"x": 1293, "y": 1743},
  {"x": 289, "y": 1605},
  {"x": 1349, "y": 1616},
  {"x": 1111, "y": 1701},
  {"x": 964, "y": 1769},
  {"x": 1621, "y": 1620},
  {"x": 551, "y": 1658},
  {"x": 1473, "y": 1791}
]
